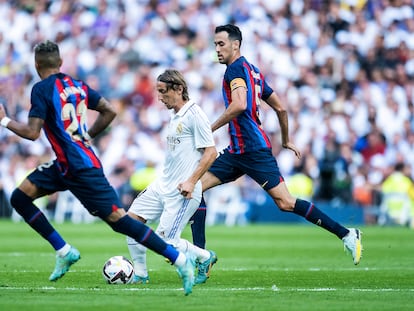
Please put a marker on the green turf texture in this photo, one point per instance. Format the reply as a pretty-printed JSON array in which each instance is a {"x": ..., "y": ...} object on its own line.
[{"x": 260, "y": 267}]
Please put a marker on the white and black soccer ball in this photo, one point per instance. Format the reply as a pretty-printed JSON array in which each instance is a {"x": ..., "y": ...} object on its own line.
[{"x": 118, "y": 270}]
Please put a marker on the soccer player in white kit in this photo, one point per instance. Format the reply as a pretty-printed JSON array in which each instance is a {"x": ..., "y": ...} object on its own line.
[{"x": 175, "y": 195}]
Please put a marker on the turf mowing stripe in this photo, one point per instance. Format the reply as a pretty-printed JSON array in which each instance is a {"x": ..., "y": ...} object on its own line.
[
  {"x": 273, "y": 288},
  {"x": 241, "y": 269}
]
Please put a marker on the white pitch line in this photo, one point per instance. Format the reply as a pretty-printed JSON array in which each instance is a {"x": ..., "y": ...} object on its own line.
[
  {"x": 274, "y": 288},
  {"x": 239, "y": 269}
]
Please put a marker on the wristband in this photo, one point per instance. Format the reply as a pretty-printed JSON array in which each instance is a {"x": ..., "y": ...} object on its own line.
[
  {"x": 87, "y": 136},
  {"x": 5, "y": 121}
]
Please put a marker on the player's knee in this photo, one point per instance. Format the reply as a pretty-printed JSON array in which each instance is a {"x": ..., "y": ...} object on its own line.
[
  {"x": 116, "y": 215},
  {"x": 285, "y": 205},
  {"x": 129, "y": 226},
  {"x": 208, "y": 180},
  {"x": 137, "y": 217}
]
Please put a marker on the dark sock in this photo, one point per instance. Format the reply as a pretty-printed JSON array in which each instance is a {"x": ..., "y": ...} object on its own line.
[
  {"x": 198, "y": 225},
  {"x": 316, "y": 216},
  {"x": 23, "y": 205},
  {"x": 145, "y": 236}
]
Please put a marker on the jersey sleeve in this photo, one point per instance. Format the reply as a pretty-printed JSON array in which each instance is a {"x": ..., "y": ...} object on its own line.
[
  {"x": 203, "y": 134},
  {"x": 235, "y": 76},
  {"x": 267, "y": 90},
  {"x": 38, "y": 103},
  {"x": 94, "y": 97}
]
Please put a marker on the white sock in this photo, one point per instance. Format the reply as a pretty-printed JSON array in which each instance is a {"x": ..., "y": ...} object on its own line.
[
  {"x": 180, "y": 261},
  {"x": 62, "y": 252},
  {"x": 201, "y": 254},
  {"x": 138, "y": 254}
]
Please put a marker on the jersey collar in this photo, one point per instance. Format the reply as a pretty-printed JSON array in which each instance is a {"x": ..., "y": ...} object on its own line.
[{"x": 184, "y": 108}]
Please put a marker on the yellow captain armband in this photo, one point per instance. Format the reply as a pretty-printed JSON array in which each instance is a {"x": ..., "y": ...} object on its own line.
[{"x": 238, "y": 82}]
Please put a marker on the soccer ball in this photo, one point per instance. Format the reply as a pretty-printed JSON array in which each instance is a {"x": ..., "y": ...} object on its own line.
[{"x": 118, "y": 270}]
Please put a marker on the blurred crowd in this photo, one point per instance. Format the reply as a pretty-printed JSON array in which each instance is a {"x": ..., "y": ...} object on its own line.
[{"x": 344, "y": 68}]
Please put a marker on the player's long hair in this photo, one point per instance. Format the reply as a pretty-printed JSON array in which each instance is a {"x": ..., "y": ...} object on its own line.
[{"x": 173, "y": 78}]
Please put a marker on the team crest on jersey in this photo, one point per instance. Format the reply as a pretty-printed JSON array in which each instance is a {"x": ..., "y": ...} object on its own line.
[{"x": 179, "y": 128}]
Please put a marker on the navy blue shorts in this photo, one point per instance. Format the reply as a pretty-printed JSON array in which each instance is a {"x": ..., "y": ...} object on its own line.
[
  {"x": 260, "y": 165},
  {"x": 90, "y": 186}
]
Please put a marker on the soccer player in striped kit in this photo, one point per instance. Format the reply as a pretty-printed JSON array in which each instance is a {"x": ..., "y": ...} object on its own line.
[
  {"x": 176, "y": 194},
  {"x": 58, "y": 105},
  {"x": 250, "y": 150}
]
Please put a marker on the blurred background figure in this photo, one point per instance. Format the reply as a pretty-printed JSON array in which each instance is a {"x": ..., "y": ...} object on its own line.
[
  {"x": 397, "y": 207},
  {"x": 300, "y": 182},
  {"x": 69, "y": 208},
  {"x": 226, "y": 205}
]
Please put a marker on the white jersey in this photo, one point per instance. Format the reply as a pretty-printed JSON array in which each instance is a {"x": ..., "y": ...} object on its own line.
[{"x": 189, "y": 130}]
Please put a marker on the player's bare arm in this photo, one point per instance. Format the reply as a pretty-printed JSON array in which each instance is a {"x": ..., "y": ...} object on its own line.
[
  {"x": 186, "y": 188},
  {"x": 30, "y": 131},
  {"x": 276, "y": 104},
  {"x": 236, "y": 107},
  {"x": 105, "y": 117}
]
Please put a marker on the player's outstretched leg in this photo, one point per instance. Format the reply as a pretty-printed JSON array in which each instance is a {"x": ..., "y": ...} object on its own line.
[
  {"x": 138, "y": 254},
  {"x": 186, "y": 273},
  {"x": 144, "y": 235},
  {"x": 204, "y": 268},
  {"x": 351, "y": 237},
  {"x": 63, "y": 263},
  {"x": 352, "y": 243}
]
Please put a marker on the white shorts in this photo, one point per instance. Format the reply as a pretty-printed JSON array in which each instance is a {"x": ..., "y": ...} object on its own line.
[{"x": 171, "y": 209}]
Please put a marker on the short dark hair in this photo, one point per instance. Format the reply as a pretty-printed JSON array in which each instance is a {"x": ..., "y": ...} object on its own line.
[
  {"x": 174, "y": 78},
  {"x": 47, "y": 54},
  {"x": 233, "y": 31},
  {"x": 399, "y": 166}
]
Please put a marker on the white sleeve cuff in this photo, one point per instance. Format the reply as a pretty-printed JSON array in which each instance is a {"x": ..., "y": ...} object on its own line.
[
  {"x": 5, "y": 121},
  {"x": 87, "y": 136}
]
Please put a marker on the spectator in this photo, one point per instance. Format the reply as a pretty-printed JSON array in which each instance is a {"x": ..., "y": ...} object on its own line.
[
  {"x": 397, "y": 198},
  {"x": 361, "y": 50}
]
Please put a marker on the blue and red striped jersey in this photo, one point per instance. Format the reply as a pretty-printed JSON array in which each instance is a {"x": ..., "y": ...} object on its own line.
[
  {"x": 246, "y": 132},
  {"x": 62, "y": 102}
]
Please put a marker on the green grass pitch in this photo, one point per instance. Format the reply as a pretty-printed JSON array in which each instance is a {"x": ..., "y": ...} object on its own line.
[{"x": 260, "y": 267}]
